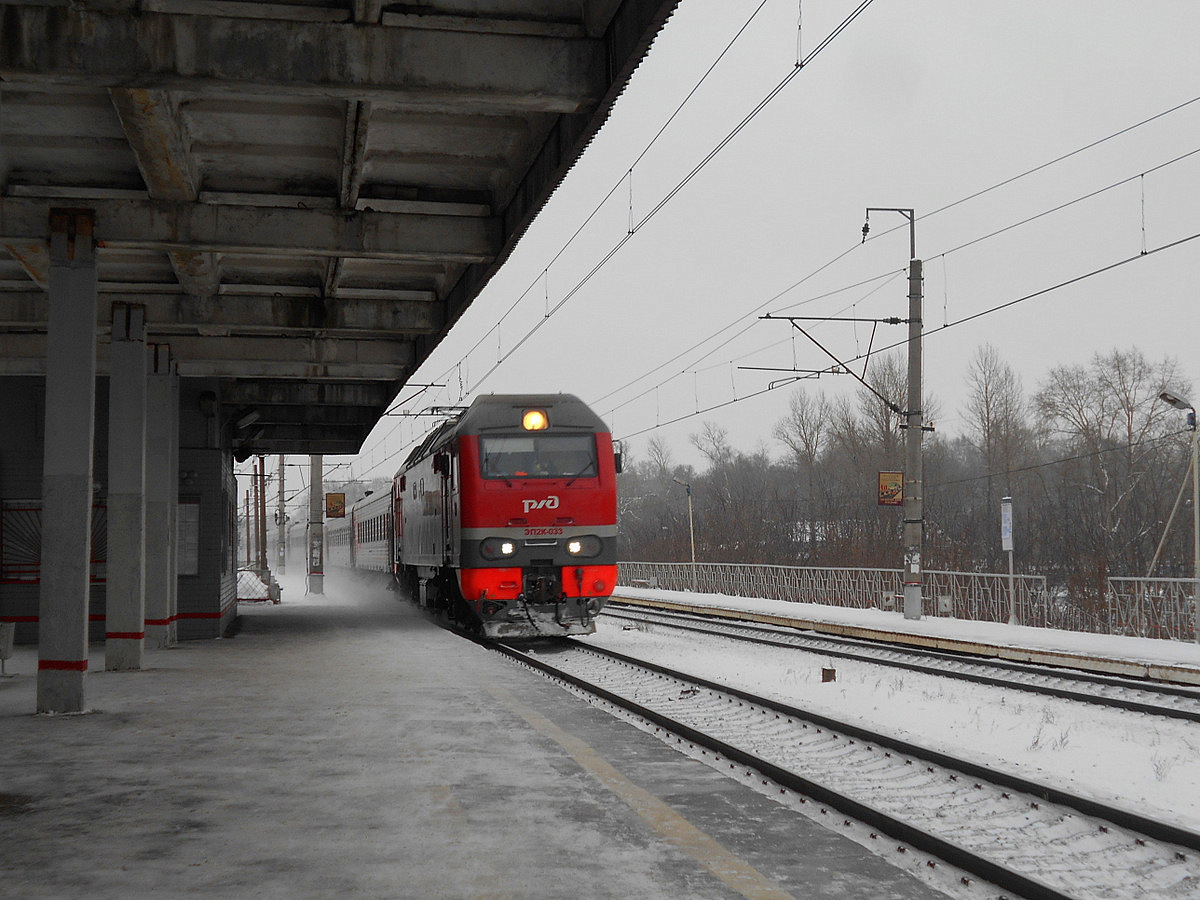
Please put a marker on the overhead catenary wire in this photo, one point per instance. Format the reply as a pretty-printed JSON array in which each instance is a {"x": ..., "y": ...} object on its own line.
[
  {"x": 946, "y": 323},
  {"x": 627, "y": 176},
  {"x": 635, "y": 228},
  {"x": 613, "y": 190},
  {"x": 972, "y": 196},
  {"x": 889, "y": 276},
  {"x": 937, "y": 331}
]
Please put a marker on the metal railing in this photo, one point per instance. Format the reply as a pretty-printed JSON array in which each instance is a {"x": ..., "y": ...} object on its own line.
[
  {"x": 21, "y": 542},
  {"x": 1152, "y": 607},
  {"x": 1156, "y": 607}
]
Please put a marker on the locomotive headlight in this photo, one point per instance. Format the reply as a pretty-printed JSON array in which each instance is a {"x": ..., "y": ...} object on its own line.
[
  {"x": 535, "y": 420},
  {"x": 497, "y": 548},
  {"x": 588, "y": 545}
]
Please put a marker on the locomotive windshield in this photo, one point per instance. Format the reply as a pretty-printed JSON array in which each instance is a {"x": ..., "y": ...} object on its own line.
[{"x": 540, "y": 456}]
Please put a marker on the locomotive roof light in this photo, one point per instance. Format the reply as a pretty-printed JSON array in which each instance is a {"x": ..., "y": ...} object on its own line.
[{"x": 535, "y": 420}]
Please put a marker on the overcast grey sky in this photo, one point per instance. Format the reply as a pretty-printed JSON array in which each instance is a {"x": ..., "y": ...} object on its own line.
[{"x": 918, "y": 104}]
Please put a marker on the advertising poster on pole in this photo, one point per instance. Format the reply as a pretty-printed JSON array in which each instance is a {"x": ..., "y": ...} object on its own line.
[{"x": 891, "y": 488}]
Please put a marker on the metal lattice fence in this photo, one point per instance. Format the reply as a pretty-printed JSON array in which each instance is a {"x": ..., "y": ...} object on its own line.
[
  {"x": 21, "y": 542},
  {"x": 1159, "y": 607},
  {"x": 1151, "y": 607}
]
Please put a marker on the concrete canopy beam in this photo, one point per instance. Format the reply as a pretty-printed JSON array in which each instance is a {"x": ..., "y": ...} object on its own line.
[
  {"x": 243, "y": 357},
  {"x": 291, "y": 357},
  {"x": 333, "y": 416},
  {"x": 200, "y": 227},
  {"x": 296, "y": 393},
  {"x": 155, "y": 132},
  {"x": 34, "y": 258},
  {"x": 325, "y": 435},
  {"x": 293, "y": 316},
  {"x": 151, "y": 122},
  {"x": 432, "y": 68}
]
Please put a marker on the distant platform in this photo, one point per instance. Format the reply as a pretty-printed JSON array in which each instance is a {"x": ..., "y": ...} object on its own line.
[{"x": 1133, "y": 657}]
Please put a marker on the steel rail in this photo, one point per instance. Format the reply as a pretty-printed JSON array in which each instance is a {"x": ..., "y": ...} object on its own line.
[
  {"x": 1059, "y": 671},
  {"x": 1158, "y": 830},
  {"x": 1062, "y": 693},
  {"x": 979, "y": 866}
]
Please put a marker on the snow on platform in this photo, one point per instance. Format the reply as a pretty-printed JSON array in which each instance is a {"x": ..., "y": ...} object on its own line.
[{"x": 344, "y": 745}]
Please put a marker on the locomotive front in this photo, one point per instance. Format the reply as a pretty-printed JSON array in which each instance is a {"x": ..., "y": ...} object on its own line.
[
  {"x": 538, "y": 515},
  {"x": 509, "y": 516}
]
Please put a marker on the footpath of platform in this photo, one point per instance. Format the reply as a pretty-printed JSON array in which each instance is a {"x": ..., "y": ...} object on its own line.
[{"x": 344, "y": 745}]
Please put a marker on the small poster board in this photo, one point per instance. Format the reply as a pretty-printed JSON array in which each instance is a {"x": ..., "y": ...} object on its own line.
[
  {"x": 335, "y": 506},
  {"x": 891, "y": 488}
]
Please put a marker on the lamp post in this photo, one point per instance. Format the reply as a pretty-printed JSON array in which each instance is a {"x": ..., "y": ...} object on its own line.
[
  {"x": 1179, "y": 403},
  {"x": 691, "y": 529}
]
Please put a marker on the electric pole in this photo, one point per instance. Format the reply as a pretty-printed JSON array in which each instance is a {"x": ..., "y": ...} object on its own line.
[
  {"x": 316, "y": 527},
  {"x": 914, "y": 491},
  {"x": 281, "y": 519},
  {"x": 914, "y": 425}
]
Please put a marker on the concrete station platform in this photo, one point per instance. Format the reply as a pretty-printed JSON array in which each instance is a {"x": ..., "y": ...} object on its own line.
[{"x": 345, "y": 745}]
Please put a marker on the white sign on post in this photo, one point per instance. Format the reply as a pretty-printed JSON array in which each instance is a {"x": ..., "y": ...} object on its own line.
[{"x": 1006, "y": 533}]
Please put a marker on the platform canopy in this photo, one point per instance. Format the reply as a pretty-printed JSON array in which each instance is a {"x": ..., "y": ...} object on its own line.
[{"x": 305, "y": 196}]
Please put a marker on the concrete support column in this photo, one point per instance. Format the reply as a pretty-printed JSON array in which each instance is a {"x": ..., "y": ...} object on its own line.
[
  {"x": 172, "y": 413},
  {"x": 162, "y": 488},
  {"x": 125, "y": 610},
  {"x": 316, "y": 527},
  {"x": 67, "y": 463}
]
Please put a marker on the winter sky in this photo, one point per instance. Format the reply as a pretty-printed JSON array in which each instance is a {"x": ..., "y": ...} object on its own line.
[{"x": 922, "y": 104}]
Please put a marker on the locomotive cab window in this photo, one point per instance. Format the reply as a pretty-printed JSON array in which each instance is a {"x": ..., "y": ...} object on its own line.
[{"x": 540, "y": 456}]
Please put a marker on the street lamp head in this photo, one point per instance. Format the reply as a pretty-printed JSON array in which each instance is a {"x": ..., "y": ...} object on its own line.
[
  {"x": 680, "y": 481},
  {"x": 1175, "y": 400}
]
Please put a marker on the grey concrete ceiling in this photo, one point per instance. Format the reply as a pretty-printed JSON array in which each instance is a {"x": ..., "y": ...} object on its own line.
[{"x": 304, "y": 195}]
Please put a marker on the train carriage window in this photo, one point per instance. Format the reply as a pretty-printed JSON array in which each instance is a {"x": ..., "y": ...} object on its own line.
[{"x": 541, "y": 456}]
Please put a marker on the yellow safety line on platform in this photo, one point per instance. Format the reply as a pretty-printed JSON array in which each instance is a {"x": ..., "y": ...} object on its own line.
[{"x": 732, "y": 870}]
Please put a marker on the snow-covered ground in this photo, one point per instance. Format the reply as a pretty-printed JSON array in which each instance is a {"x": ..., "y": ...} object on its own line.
[
  {"x": 1144, "y": 650},
  {"x": 1132, "y": 759}
]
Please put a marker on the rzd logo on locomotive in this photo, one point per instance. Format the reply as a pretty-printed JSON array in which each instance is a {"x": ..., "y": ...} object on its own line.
[{"x": 550, "y": 502}]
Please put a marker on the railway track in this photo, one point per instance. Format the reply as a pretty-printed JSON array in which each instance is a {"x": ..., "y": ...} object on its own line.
[
  {"x": 1031, "y": 840},
  {"x": 1171, "y": 701}
]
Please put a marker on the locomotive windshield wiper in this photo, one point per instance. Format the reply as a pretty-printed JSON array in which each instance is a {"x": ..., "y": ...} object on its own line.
[
  {"x": 588, "y": 465},
  {"x": 487, "y": 467}
]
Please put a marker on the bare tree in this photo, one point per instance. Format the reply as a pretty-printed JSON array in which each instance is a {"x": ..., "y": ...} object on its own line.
[
  {"x": 998, "y": 430},
  {"x": 1108, "y": 416},
  {"x": 713, "y": 442},
  {"x": 660, "y": 456},
  {"x": 803, "y": 430},
  {"x": 888, "y": 375}
]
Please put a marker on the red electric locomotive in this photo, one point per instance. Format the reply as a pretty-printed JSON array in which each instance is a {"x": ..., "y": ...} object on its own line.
[{"x": 506, "y": 516}]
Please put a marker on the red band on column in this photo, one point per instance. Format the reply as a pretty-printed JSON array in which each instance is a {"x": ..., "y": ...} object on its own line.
[
  {"x": 63, "y": 665},
  {"x": 124, "y": 635}
]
